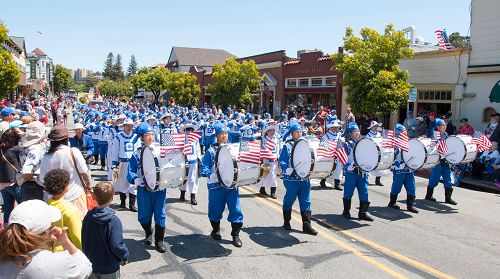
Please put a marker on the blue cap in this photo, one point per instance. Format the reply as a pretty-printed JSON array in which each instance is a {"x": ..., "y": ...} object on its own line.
[
  {"x": 399, "y": 128},
  {"x": 17, "y": 124},
  {"x": 409, "y": 112},
  {"x": 439, "y": 122},
  {"x": 144, "y": 128},
  {"x": 220, "y": 128},
  {"x": 24, "y": 113},
  {"x": 294, "y": 126},
  {"x": 352, "y": 127}
]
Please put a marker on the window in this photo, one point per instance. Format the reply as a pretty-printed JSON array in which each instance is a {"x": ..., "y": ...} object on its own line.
[
  {"x": 291, "y": 82},
  {"x": 304, "y": 82},
  {"x": 43, "y": 63},
  {"x": 331, "y": 81},
  {"x": 434, "y": 95},
  {"x": 315, "y": 82},
  {"x": 43, "y": 76},
  {"x": 486, "y": 114}
]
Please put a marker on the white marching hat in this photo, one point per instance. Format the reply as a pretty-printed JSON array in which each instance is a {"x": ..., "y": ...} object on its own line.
[
  {"x": 269, "y": 127},
  {"x": 78, "y": 126},
  {"x": 128, "y": 121},
  {"x": 186, "y": 126},
  {"x": 373, "y": 123}
]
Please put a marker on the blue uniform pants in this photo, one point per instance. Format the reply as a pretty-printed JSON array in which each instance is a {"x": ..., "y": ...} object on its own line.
[
  {"x": 356, "y": 181},
  {"x": 403, "y": 178},
  {"x": 96, "y": 147},
  {"x": 209, "y": 141},
  {"x": 150, "y": 203},
  {"x": 234, "y": 138},
  {"x": 297, "y": 189},
  {"x": 438, "y": 171},
  {"x": 103, "y": 151},
  {"x": 217, "y": 200}
]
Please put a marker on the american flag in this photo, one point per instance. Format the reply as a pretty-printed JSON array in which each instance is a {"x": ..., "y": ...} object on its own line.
[
  {"x": 442, "y": 148},
  {"x": 266, "y": 151},
  {"x": 341, "y": 153},
  {"x": 172, "y": 141},
  {"x": 194, "y": 136},
  {"x": 265, "y": 89},
  {"x": 443, "y": 41},
  {"x": 402, "y": 141},
  {"x": 249, "y": 152},
  {"x": 388, "y": 142},
  {"x": 270, "y": 144},
  {"x": 327, "y": 149},
  {"x": 437, "y": 135},
  {"x": 483, "y": 143}
]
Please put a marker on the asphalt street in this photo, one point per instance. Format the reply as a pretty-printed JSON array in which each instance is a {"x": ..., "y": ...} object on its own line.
[{"x": 442, "y": 241}]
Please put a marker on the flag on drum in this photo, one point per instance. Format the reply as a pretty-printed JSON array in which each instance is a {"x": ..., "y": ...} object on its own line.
[
  {"x": 442, "y": 148},
  {"x": 402, "y": 141},
  {"x": 483, "y": 143},
  {"x": 388, "y": 142},
  {"x": 172, "y": 141},
  {"x": 341, "y": 154},
  {"x": 327, "y": 149},
  {"x": 270, "y": 144},
  {"x": 194, "y": 136},
  {"x": 437, "y": 135},
  {"x": 249, "y": 152},
  {"x": 267, "y": 154}
]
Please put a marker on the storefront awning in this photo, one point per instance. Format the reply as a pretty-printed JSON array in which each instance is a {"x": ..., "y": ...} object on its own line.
[{"x": 495, "y": 93}]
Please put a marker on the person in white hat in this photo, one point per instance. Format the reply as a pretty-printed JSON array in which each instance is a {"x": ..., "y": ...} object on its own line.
[
  {"x": 334, "y": 134},
  {"x": 374, "y": 133},
  {"x": 83, "y": 142},
  {"x": 124, "y": 145},
  {"x": 270, "y": 142},
  {"x": 24, "y": 241},
  {"x": 193, "y": 156}
]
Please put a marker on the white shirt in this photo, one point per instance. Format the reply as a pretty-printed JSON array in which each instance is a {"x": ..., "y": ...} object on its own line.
[
  {"x": 47, "y": 265},
  {"x": 61, "y": 159},
  {"x": 41, "y": 112}
]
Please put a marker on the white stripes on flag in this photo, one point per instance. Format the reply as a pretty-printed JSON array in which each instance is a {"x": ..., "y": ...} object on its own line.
[
  {"x": 483, "y": 143},
  {"x": 442, "y": 148},
  {"x": 402, "y": 141},
  {"x": 341, "y": 153},
  {"x": 388, "y": 142},
  {"x": 443, "y": 41},
  {"x": 327, "y": 149},
  {"x": 250, "y": 152}
]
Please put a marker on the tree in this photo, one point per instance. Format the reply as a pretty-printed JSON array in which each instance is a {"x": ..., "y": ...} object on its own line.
[
  {"x": 372, "y": 77},
  {"x": 9, "y": 73},
  {"x": 118, "y": 68},
  {"x": 108, "y": 66},
  {"x": 234, "y": 82},
  {"x": 183, "y": 88},
  {"x": 62, "y": 79},
  {"x": 458, "y": 40},
  {"x": 132, "y": 66},
  {"x": 109, "y": 87},
  {"x": 154, "y": 80}
]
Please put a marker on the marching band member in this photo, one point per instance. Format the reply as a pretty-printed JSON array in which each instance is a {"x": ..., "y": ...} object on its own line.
[
  {"x": 373, "y": 133},
  {"x": 440, "y": 170},
  {"x": 235, "y": 126},
  {"x": 270, "y": 181},
  {"x": 354, "y": 177},
  {"x": 149, "y": 201},
  {"x": 123, "y": 147},
  {"x": 167, "y": 127},
  {"x": 333, "y": 134},
  {"x": 103, "y": 140},
  {"x": 83, "y": 142},
  {"x": 219, "y": 196},
  {"x": 294, "y": 185},
  {"x": 208, "y": 132},
  {"x": 191, "y": 183},
  {"x": 249, "y": 129},
  {"x": 96, "y": 133},
  {"x": 402, "y": 175}
]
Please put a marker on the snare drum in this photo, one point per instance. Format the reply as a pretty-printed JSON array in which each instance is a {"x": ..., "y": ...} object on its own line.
[
  {"x": 323, "y": 166},
  {"x": 302, "y": 159},
  {"x": 421, "y": 155},
  {"x": 370, "y": 155},
  {"x": 460, "y": 149},
  {"x": 162, "y": 168},
  {"x": 232, "y": 173}
]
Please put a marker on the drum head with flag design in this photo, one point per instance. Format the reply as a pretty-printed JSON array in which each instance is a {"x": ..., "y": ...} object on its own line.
[{"x": 302, "y": 159}]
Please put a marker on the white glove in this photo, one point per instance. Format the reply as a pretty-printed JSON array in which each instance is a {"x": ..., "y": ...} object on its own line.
[
  {"x": 213, "y": 176},
  {"x": 137, "y": 182},
  {"x": 289, "y": 171}
]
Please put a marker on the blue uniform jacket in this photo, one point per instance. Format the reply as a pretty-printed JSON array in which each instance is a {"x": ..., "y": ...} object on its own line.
[{"x": 85, "y": 144}]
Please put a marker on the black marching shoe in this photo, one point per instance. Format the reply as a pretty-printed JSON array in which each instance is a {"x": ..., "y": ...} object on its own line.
[
  {"x": 262, "y": 191},
  {"x": 287, "y": 216},
  {"x": 235, "y": 233},
  {"x": 183, "y": 196},
  {"x": 447, "y": 196},
  {"x": 347, "y": 208},
  {"x": 363, "y": 211},
  {"x": 377, "y": 181},
  {"x": 337, "y": 185},
  {"x": 273, "y": 193},
  {"x": 193, "y": 199},
  {"x": 392, "y": 202},
  {"x": 306, "y": 223},
  {"x": 159, "y": 235},
  {"x": 148, "y": 230},
  {"x": 428, "y": 195},
  {"x": 410, "y": 201},
  {"x": 123, "y": 200},
  {"x": 131, "y": 202},
  {"x": 215, "y": 230},
  {"x": 322, "y": 183}
]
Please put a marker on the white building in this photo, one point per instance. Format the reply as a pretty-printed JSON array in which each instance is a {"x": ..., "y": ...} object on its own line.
[{"x": 41, "y": 69}]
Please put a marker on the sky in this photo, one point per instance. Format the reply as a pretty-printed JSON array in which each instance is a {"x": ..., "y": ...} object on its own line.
[{"x": 80, "y": 34}]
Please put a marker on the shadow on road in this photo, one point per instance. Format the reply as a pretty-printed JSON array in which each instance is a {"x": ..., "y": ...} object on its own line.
[
  {"x": 309, "y": 262},
  {"x": 438, "y": 207},
  {"x": 271, "y": 237},
  {"x": 138, "y": 251},
  {"x": 196, "y": 246},
  {"x": 388, "y": 213},
  {"x": 339, "y": 221},
  {"x": 319, "y": 188}
]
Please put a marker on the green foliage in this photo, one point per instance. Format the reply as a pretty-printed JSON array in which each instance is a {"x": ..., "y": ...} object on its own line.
[
  {"x": 9, "y": 73},
  {"x": 183, "y": 88},
  {"x": 374, "y": 81},
  {"x": 132, "y": 66},
  {"x": 234, "y": 82},
  {"x": 62, "y": 79},
  {"x": 154, "y": 80},
  {"x": 458, "y": 40},
  {"x": 90, "y": 81},
  {"x": 118, "y": 68},
  {"x": 108, "y": 66},
  {"x": 109, "y": 87}
]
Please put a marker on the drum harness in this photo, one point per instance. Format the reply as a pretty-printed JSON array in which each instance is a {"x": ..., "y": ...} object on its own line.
[
  {"x": 157, "y": 165},
  {"x": 356, "y": 169}
]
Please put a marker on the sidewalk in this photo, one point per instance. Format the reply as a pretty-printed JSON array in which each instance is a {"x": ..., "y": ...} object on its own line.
[{"x": 468, "y": 182}]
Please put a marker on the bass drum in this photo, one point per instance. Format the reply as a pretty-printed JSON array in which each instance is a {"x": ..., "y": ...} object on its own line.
[
  {"x": 421, "y": 155},
  {"x": 323, "y": 166},
  {"x": 370, "y": 155},
  {"x": 461, "y": 150},
  {"x": 232, "y": 173},
  {"x": 172, "y": 168},
  {"x": 302, "y": 159}
]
